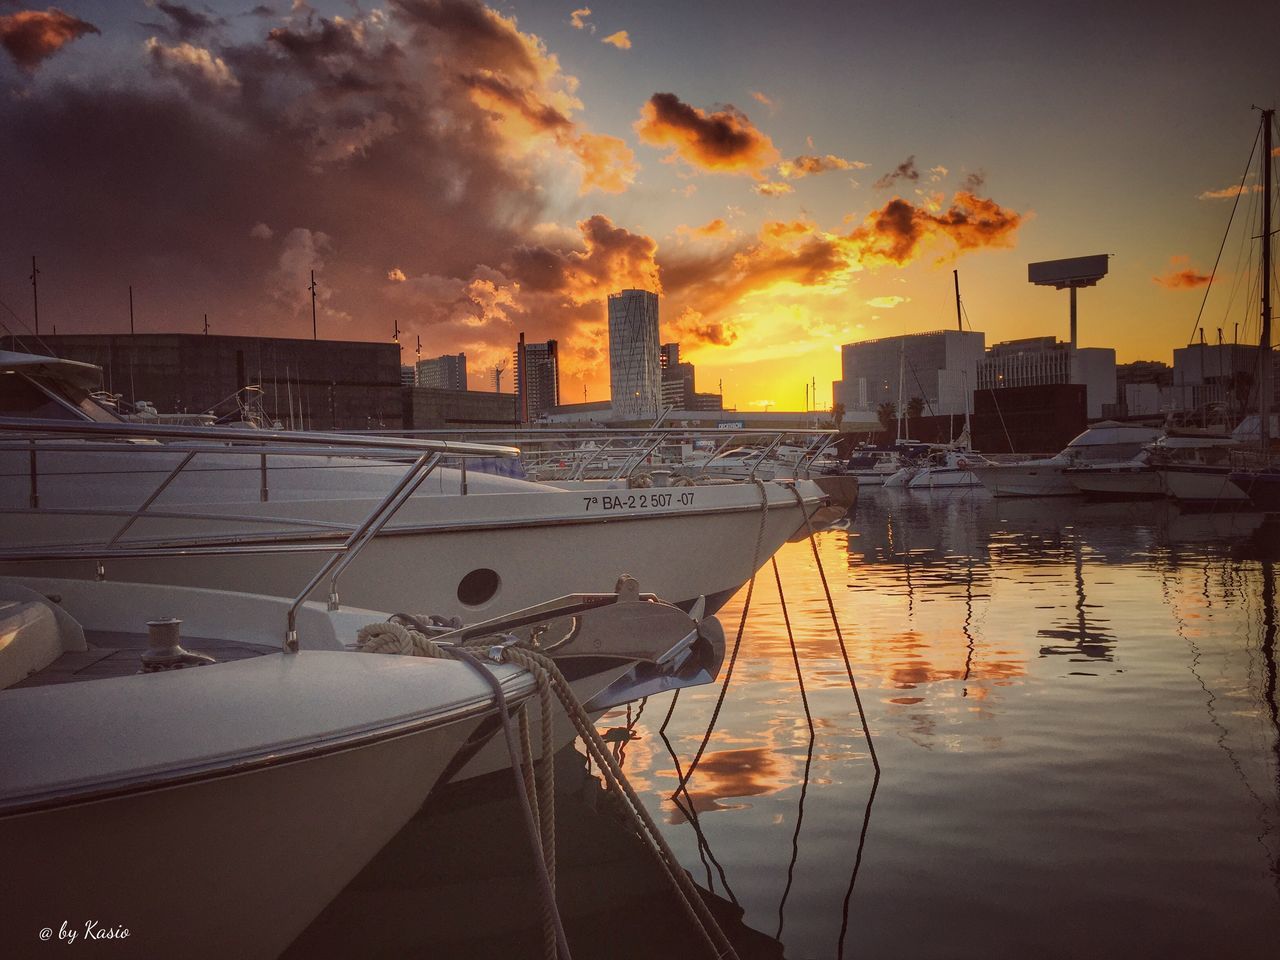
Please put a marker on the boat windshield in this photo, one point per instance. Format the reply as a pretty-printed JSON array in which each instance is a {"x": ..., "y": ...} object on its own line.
[{"x": 34, "y": 398}]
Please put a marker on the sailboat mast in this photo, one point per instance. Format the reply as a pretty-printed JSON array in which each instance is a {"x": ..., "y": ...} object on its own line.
[
  {"x": 902, "y": 360},
  {"x": 1264, "y": 388},
  {"x": 959, "y": 322}
]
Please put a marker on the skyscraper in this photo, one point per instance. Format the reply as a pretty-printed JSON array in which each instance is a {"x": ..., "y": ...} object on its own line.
[
  {"x": 448, "y": 372},
  {"x": 537, "y": 379},
  {"x": 635, "y": 372}
]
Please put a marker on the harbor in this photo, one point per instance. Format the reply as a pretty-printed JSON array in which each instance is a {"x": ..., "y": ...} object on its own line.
[{"x": 638, "y": 483}]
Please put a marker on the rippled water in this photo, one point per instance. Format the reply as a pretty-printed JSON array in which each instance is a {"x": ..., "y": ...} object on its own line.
[{"x": 1074, "y": 707}]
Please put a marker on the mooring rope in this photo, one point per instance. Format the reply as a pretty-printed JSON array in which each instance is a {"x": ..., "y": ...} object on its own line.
[
  {"x": 737, "y": 640},
  {"x": 396, "y": 638},
  {"x": 835, "y": 623},
  {"x": 690, "y": 899}
]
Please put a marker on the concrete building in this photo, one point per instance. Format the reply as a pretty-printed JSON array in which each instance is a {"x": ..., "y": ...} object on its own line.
[
  {"x": 317, "y": 384},
  {"x": 537, "y": 378},
  {"x": 436, "y": 408},
  {"x": 635, "y": 371},
  {"x": 940, "y": 367},
  {"x": 1227, "y": 373},
  {"x": 1041, "y": 361},
  {"x": 408, "y": 376},
  {"x": 448, "y": 372}
]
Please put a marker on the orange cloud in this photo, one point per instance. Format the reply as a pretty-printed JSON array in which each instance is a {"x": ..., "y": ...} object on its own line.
[
  {"x": 1181, "y": 276},
  {"x": 690, "y": 326},
  {"x": 807, "y": 165},
  {"x": 770, "y": 189},
  {"x": 1226, "y": 193},
  {"x": 714, "y": 228},
  {"x": 619, "y": 40},
  {"x": 761, "y": 98},
  {"x": 31, "y": 37},
  {"x": 608, "y": 164},
  {"x": 895, "y": 232},
  {"x": 579, "y": 18},
  {"x": 724, "y": 141}
]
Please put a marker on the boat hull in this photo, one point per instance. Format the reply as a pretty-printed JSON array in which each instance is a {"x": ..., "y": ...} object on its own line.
[
  {"x": 1261, "y": 487},
  {"x": 1118, "y": 483},
  {"x": 679, "y": 543},
  {"x": 1018, "y": 480},
  {"x": 1197, "y": 484}
]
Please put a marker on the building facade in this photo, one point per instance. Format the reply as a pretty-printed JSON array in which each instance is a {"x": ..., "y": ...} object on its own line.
[
  {"x": 1043, "y": 361},
  {"x": 448, "y": 372},
  {"x": 940, "y": 367},
  {"x": 537, "y": 379},
  {"x": 305, "y": 384},
  {"x": 635, "y": 370}
]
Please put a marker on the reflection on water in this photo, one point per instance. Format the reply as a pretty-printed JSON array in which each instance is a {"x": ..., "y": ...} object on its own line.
[{"x": 1075, "y": 711}]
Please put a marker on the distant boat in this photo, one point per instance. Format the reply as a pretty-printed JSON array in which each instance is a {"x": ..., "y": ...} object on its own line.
[{"x": 1104, "y": 442}]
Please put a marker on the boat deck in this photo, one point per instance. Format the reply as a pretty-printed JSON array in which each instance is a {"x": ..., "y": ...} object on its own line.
[{"x": 113, "y": 654}]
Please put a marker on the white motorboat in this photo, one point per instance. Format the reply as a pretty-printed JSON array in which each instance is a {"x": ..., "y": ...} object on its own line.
[
  {"x": 462, "y": 543},
  {"x": 1134, "y": 479},
  {"x": 1107, "y": 441},
  {"x": 1196, "y": 469},
  {"x": 946, "y": 469},
  {"x": 210, "y": 811}
]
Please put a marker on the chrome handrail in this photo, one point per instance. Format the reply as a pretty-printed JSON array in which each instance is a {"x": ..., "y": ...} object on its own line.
[{"x": 213, "y": 441}]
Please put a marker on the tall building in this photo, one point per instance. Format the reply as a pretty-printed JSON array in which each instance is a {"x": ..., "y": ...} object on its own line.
[
  {"x": 635, "y": 370},
  {"x": 1039, "y": 361},
  {"x": 537, "y": 379},
  {"x": 940, "y": 367},
  {"x": 446, "y": 373},
  {"x": 407, "y": 376}
]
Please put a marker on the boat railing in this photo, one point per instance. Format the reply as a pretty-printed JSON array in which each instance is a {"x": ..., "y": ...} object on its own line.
[
  {"x": 34, "y": 437},
  {"x": 573, "y": 454}
]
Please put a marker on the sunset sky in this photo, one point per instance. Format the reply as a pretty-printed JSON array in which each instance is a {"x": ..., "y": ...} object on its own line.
[{"x": 790, "y": 176}]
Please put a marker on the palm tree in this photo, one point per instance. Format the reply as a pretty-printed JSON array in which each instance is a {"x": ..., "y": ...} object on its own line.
[
  {"x": 915, "y": 408},
  {"x": 837, "y": 414},
  {"x": 886, "y": 413}
]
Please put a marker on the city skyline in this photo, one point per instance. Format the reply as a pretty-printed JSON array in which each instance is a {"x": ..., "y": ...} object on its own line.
[{"x": 789, "y": 183}]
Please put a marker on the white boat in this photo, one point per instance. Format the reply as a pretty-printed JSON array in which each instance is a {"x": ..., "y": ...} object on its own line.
[
  {"x": 1107, "y": 441},
  {"x": 947, "y": 469},
  {"x": 1134, "y": 479},
  {"x": 210, "y": 811},
  {"x": 1196, "y": 469},
  {"x": 462, "y": 543}
]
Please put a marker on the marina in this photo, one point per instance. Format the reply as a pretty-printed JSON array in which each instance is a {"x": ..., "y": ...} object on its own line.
[{"x": 647, "y": 482}]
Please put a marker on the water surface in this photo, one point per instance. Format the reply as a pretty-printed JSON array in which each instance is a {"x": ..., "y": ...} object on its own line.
[{"x": 1074, "y": 707}]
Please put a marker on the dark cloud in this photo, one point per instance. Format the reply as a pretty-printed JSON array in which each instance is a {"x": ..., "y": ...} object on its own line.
[
  {"x": 723, "y": 141},
  {"x": 183, "y": 23},
  {"x": 906, "y": 170},
  {"x": 973, "y": 182},
  {"x": 32, "y": 36}
]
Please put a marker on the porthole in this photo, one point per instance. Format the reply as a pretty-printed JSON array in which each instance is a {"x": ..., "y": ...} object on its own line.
[{"x": 478, "y": 586}]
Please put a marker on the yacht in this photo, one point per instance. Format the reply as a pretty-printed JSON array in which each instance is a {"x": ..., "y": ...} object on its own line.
[
  {"x": 1103, "y": 442},
  {"x": 214, "y": 802},
  {"x": 166, "y": 503},
  {"x": 1134, "y": 479},
  {"x": 947, "y": 469}
]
